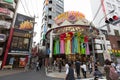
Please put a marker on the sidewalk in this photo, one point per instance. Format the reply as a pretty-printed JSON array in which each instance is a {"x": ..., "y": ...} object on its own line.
[{"x": 62, "y": 74}]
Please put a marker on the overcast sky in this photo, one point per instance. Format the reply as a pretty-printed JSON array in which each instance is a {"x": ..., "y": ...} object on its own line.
[{"x": 34, "y": 7}]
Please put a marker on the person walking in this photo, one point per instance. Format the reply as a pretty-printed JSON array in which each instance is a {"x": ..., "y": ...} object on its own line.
[
  {"x": 60, "y": 65},
  {"x": 84, "y": 69},
  {"x": 37, "y": 66},
  {"x": 70, "y": 72},
  {"x": 110, "y": 72},
  {"x": 77, "y": 68},
  {"x": 90, "y": 67}
]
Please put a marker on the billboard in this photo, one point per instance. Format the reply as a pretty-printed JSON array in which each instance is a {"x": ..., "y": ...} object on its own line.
[{"x": 24, "y": 22}]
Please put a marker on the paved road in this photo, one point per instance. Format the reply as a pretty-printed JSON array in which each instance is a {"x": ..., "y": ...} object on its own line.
[{"x": 29, "y": 75}]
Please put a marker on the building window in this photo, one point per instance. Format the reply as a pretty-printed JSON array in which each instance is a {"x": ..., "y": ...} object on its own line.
[
  {"x": 118, "y": 42},
  {"x": 116, "y": 32},
  {"x": 50, "y": 2},
  {"x": 50, "y": 17},
  {"x": 49, "y": 25},
  {"x": 118, "y": 8},
  {"x": 109, "y": 5},
  {"x": 50, "y": 9},
  {"x": 114, "y": 7}
]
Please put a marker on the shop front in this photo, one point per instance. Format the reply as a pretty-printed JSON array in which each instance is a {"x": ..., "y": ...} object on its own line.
[
  {"x": 71, "y": 36},
  {"x": 17, "y": 60}
]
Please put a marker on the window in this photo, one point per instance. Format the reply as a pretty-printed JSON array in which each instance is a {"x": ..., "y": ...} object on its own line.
[
  {"x": 50, "y": 9},
  {"x": 50, "y": 2},
  {"x": 50, "y": 17},
  {"x": 118, "y": 42},
  {"x": 20, "y": 44},
  {"x": 49, "y": 25},
  {"x": 114, "y": 7},
  {"x": 108, "y": 5},
  {"x": 116, "y": 32}
]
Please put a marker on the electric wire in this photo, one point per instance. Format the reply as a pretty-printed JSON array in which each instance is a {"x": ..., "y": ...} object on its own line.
[
  {"x": 33, "y": 7},
  {"x": 27, "y": 8},
  {"x": 23, "y": 6},
  {"x": 97, "y": 12}
]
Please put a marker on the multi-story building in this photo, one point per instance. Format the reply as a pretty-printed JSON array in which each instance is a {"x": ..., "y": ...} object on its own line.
[
  {"x": 7, "y": 10},
  {"x": 102, "y": 10},
  {"x": 51, "y": 9}
]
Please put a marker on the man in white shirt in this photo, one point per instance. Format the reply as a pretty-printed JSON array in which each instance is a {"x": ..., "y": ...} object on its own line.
[{"x": 84, "y": 69}]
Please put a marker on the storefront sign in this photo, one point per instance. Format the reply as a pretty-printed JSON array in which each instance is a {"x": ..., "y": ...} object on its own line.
[
  {"x": 22, "y": 33},
  {"x": 5, "y": 24},
  {"x": 2, "y": 37},
  {"x": 7, "y": 12},
  {"x": 69, "y": 29},
  {"x": 4, "y": 10},
  {"x": 9, "y": 1},
  {"x": 71, "y": 16}
]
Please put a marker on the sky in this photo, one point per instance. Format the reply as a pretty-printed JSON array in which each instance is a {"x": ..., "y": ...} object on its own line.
[{"x": 34, "y": 8}]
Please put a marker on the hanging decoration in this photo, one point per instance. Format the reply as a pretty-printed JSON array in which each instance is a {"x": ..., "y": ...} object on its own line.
[
  {"x": 83, "y": 45},
  {"x": 62, "y": 43},
  {"x": 68, "y": 42},
  {"x": 56, "y": 46}
]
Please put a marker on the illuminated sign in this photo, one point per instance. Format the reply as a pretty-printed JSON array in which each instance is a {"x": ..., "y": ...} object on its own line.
[
  {"x": 4, "y": 10},
  {"x": 71, "y": 16},
  {"x": 2, "y": 37},
  {"x": 5, "y": 24},
  {"x": 24, "y": 22},
  {"x": 22, "y": 33},
  {"x": 69, "y": 29}
]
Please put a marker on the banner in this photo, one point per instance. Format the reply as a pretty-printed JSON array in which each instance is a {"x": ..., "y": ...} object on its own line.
[{"x": 22, "y": 62}]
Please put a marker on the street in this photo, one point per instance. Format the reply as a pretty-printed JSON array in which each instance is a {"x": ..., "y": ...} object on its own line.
[
  {"x": 21, "y": 74},
  {"x": 26, "y": 75}
]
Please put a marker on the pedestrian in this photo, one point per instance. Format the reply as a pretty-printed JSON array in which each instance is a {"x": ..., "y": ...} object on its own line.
[
  {"x": 108, "y": 69},
  {"x": 40, "y": 63},
  {"x": 60, "y": 65},
  {"x": 90, "y": 67},
  {"x": 77, "y": 68},
  {"x": 118, "y": 68},
  {"x": 37, "y": 66},
  {"x": 66, "y": 66},
  {"x": 70, "y": 72},
  {"x": 84, "y": 69}
]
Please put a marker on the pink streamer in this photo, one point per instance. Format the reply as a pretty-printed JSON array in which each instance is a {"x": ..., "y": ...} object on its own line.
[{"x": 87, "y": 49}]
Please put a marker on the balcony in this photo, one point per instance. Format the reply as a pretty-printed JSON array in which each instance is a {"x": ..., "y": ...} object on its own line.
[
  {"x": 8, "y": 14},
  {"x": 10, "y": 5},
  {"x": 5, "y": 24}
]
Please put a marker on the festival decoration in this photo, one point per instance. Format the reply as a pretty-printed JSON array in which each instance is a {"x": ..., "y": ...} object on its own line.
[{"x": 62, "y": 43}]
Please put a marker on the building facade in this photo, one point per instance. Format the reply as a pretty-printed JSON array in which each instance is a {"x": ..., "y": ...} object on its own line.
[
  {"x": 102, "y": 10},
  {"x": 51, "y": 9},
  {"x": 7, "y": 10}
]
